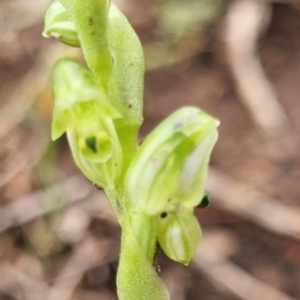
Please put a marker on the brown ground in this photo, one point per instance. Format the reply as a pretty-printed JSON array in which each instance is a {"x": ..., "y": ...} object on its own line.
[{"x": 52, "y": 253}]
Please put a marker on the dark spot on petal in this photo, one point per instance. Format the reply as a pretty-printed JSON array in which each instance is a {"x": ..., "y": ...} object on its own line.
[
  {"x": 91, "y": 21},
  {"x": 91, "y": 143},
  {"x": 163, "y": 215}
]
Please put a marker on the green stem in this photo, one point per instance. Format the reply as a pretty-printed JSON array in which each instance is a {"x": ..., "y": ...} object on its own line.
[
  {"x": 144, "y": 228},
  {"x": 127, "y": 135},
  {"x": 116, "y": 197},
  {"x": 137, "y": 279},
  {"x": 90, "y": 17}
]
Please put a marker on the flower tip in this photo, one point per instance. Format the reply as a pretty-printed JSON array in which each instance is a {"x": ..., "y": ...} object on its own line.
[
  {"x": 58, "y": 127},
  {"x": 44, "y": 34}
]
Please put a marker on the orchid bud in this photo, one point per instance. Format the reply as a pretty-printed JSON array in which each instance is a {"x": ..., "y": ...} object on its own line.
[
  {"x": 82, "y": 109},
  {"x": 59, "y": 24},
  {"x": 170, "y": 168},
  {"x": 178, "y": 235}
]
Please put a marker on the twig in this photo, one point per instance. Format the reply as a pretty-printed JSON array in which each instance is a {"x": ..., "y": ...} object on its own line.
[
  {"x": 104, "y": 294},
  {"x": 226, "y": 275},
  {"x": 19, "y": 285},
  {"x": 288, "y": 2},
  {"x": 244, "y": 23},
  {"x": 253, "y": 205},
  {"x": 87, "y": 255},
  {"x": 25, "y": 157},
  {"x": 31, "y": 206},
  {"x": 23, "y": 93},
  {"x": 21, "y": 14}
]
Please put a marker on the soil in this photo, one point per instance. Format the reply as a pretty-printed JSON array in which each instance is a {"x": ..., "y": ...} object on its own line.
[{"x": 204, "y": 80}]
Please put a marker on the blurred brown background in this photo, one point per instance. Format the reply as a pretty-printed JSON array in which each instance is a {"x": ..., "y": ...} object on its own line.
[{"x": 239, "y": 61}]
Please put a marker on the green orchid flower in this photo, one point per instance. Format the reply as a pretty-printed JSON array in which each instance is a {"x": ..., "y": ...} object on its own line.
[
  {"x": 167, "y": 177},
  {"x": 171, "y": 164},
  {"x": 84, "y": 112}
]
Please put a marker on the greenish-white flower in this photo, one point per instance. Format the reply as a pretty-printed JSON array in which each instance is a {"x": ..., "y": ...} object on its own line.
[
  {"x": 82, "y": 109},
  {"x": 170, "y": 168},
  {"x": 167, "y": 178}
]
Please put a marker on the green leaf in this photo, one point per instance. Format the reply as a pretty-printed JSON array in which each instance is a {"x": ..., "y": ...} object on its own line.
[{"x": 128, "y": 67}]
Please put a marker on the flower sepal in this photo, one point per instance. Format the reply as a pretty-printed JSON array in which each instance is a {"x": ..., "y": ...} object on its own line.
[
  {"x": 84, "y": 111},
  {"x": 59, "y": 25}
]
